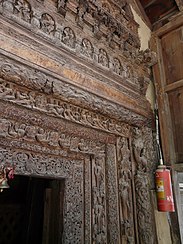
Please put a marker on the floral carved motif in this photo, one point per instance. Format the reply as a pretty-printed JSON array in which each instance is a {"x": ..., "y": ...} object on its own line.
[{"x": 28, "y": 163}]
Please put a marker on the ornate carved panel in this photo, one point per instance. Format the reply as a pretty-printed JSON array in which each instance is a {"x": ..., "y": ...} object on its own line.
[
  {"x": 142, "y": 188},
  {"x": 72, "y": 88},
  {"x": 125, "y": 178}
]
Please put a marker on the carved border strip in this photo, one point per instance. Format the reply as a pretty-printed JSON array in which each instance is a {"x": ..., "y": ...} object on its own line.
[
  {"x": 58, "y": 108},
  {"x": 66, "y": 36}
]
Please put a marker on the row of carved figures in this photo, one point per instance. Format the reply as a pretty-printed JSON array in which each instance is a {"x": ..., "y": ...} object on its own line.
[{"x": 66, "y": 36}]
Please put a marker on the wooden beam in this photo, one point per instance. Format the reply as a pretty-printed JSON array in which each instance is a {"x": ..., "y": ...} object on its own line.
[
  {"x": 140, "y": 10},
  {"x": 179, "y": 4},
  {"x": 174, "y": 86}
]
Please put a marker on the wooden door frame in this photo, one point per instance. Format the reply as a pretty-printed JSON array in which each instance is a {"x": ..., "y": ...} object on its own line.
[{"x": 166, "y": 127}]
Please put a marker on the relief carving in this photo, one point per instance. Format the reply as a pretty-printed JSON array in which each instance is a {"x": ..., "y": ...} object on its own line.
[
  {"x": 125, "y": 190},
  {"x": 143, "y": 200},
  {"x": 87, "y": 48},
  {"x": 117, "y": 36},
  {"x": 36, "y": 134},
  {"x": 8, "y": 5},
  {"x": 68, "y": 37},
  {"x": 82, "y": 9},
  {"x": 47, "y": 24},
  {"x": 117, "y": 68},
  {"x": 28, "y": 163},
  {"x": 22, "y": 9},
  {"x": 30, "y": 99},
  {"x": 98, "y": 203},
  {"x": 103, "y": 58},
  {"x": 62, "y": 7}
]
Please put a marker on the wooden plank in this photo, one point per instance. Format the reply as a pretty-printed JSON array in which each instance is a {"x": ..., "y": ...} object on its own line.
[
  {"x": 179, "y": 4},
  {"x": 140, "y": 10},
  {"x": 173, "y": 86},
  {"x": 176, "y": 21}
]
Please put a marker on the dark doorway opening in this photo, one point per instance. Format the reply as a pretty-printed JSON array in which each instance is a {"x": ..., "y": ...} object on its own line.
[{"x": 31, "y": 211}]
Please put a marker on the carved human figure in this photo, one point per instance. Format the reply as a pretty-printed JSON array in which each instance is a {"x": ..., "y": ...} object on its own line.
[
  {"x": 68, "y": 37},
  {"x": 62, "y": 4},
  {"x": 8, "y": 5},
  {"x": 6, "y": 92},
  {"x": 41, "y": 136},
  {"x": 23, "y": 9},
  {"x": 87, "y": 48},
  {"x": 4, "y": 127},
  {"x": 103, "y": 58},
  {"x": 138, "y": 150},
  {"x": 128, "y": 72},
  {"x": 98, "y": 173},
  {"x": 117, "y": 66},
  {"x": 47, "y": 23},
  {"x": 81, "y": 11},
  {"x": 124, "y": 190}
]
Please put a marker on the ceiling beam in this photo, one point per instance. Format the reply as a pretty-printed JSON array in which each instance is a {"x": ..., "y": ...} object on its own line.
[
  {"x": 179, "y": 4},
  {"x": 142, "y": 13}
]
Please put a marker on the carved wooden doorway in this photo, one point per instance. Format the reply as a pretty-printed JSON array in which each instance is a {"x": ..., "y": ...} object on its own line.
[{"x": 29, "y": 211}]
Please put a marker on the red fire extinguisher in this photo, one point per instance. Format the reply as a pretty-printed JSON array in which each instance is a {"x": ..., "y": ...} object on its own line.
[{"x": 164, "y": 189}]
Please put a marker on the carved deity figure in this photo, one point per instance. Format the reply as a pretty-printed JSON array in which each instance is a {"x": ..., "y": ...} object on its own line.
[
  {"x": 117, "y": 66},
  {"x": 124, "y": 185},
  {"x": 47, "y": 23},
  {"x": 87, "y": 48},
  {"x": 8, "y": 5},
  {"x": 138, "y": 150},
  {"x": 68, "y": 37},
  {"x": 23, "y": 9},
  {"x": 98, "y": 201},
  {"x": 103, "y": 58},
  {"x": 81, "y": 11},
  {"x": 6, "y": 92}
]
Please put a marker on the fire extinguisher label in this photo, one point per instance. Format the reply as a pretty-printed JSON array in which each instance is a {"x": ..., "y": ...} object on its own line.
[{"x": 160, "y": 189}]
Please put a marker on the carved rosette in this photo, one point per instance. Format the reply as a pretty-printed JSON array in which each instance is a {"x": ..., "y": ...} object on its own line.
[
  {"x": 124, "y": 167},
  {"x": 142, "y": 189}
]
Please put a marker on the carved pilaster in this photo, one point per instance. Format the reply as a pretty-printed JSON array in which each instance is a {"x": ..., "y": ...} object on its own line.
[
  {"x": 99, "y": 220},
  {"x": 143, "y": 199},
  {"x": 125, "y": 190},
  {"x": 74, "y": 206},
  {"x": 112, "y": 195}
]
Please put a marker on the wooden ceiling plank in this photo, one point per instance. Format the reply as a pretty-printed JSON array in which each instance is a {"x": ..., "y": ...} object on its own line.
[{"x": 179, "y": 4}]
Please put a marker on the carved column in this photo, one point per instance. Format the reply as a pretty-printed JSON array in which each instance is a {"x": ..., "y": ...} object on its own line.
[
  {"x": 112, "y": 195},
  {"x": 125, "y": 190},
  {"x": 99, "y": 221},
  {"x": 143, "y": 199}
]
